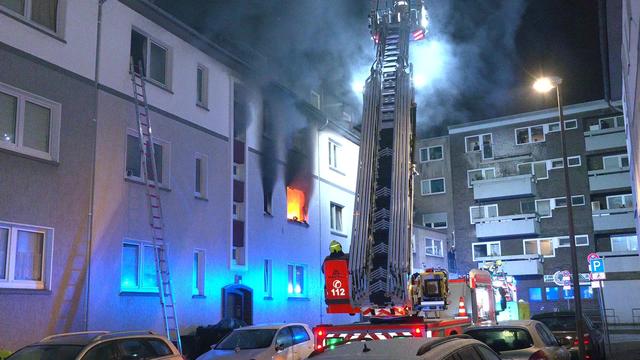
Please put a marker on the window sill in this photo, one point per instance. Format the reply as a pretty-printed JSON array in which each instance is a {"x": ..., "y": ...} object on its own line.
[
  {"x": 22, "y": 291},
  {"x": 28, "y": 156},
  {"x": 141, "y": 182},
  {"x": 267, "y": 298},
  {"x": 138, "y": 293},
  {"x": 202, "y": 106},
  {"x": 199, "y": 197},
  {"x": 156, "y": 83},
  {"x": 298, "y": 298},
  {"x": 337, "y": 233},
  {"x": 198, "y": 297},
  {"x": 435, "y": 256},
  {"x": 438, "y": 193},
  {"x": 336, "y": 170},
  {"x": 268, "y": 214},
  {"x": 32, "y": 25},
  {"x": 300, "y": 223}
]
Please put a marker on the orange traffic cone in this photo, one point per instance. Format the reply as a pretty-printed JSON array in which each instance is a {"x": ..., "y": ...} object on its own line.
[{"x": 462, "y": 310}]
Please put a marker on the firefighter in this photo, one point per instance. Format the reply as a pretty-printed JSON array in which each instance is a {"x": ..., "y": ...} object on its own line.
[{"x": 335, "y": 250}]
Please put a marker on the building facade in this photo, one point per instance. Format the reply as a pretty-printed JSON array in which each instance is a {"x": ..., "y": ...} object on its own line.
[
  {"x": 508, "y": 196},
  {"x": 255, "y": 179}
]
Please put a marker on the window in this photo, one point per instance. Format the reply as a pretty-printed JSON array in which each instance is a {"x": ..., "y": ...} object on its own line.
[
  {"x": 435, "y": 220},
  {"x": 611, "y": 122},
  {"x": 431, "y": 153},
  {"x": 544, "y": 207},
  {"x": 542, "y": 247},
  {"x": 620, "y": 201},
  {"x": 529, "y": 135},
  {"x": 150, "y": 58},
  {"x": 346, "y": 117},
  {"x": 202, "y": 86},
  {"x": 433, "y": 247},
  {"x": 300, "y": 335},
  {"x": 336, "y": 217},
  {"x": 436, "y": 225},
  {"x": 237, "y": 210},
  {"x": 315, "y": 99},
  {"x": 334, "y": 152},
  {"x": 138, "y": 267},
  {"x": 615, "y": 162},
  {"x": 201, "y": 176},
  {"x": 25, "y": 252},
  {"x": 553, "y": 127},
  {"x": 485, "y": 249},
  {"x": 268, "y": 276},
  {"x": 480, "y": 143},
  {"x": 528, "y": 207},
  {"x": 43, "y": 13},
  {"x": 576, "y": 200},
  {"x": 162, "y": 154},
  {"x": 581, "y": 240},
  {"x": 480, "y": 174},
  {"x": 296, "y": 286},
  {"x": 29, "y": 124},
  {"x": 432, "y": 186},
  {"x": 624, "y": 242},
  {"x": 535, "y": 294},
  {"x": 574, "y": 161},
  {"x": 198, "y": 273},
  {"x": 570, "y": 124},
  {"x": 557, "y": 164},
  {"x": 538, "y": 168},
  {"x": 482, "y": 212},
  {"x": 553, "y": 293}
]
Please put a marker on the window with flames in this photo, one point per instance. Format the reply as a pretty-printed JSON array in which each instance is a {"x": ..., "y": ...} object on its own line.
[{"x": 296, "y": 208}]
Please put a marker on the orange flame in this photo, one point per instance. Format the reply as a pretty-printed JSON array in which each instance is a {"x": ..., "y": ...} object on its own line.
[{"x": 296, "y": 210}]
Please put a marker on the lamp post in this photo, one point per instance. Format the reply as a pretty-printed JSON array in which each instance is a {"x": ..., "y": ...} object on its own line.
[{"x": 543, "y": 85}]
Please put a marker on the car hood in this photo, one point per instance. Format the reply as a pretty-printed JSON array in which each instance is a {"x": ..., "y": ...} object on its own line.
[{"x": 258, "y": 354}]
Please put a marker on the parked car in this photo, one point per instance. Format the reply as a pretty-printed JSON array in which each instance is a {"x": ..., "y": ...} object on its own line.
[
  {"x": 100, "y": 345},
  {"x": 261, "y": 342},
  {"x": 520, "y": 339},
  {"x": 563, "y": 326},
  {"x": 457, "y": 347},
  {"x": 206, "y": 336}
]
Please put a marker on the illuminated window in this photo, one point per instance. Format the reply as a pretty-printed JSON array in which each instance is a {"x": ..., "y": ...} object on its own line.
[
  {"x": 296, "y": 285},
  {"x": 198, "y": 273},
  {"x": 24, "y": 255},
  {"x": 336, "y": 217},
  {"x": 535, "y": 294},
  {"x": 42, "y": 13},
  {"x": 29, "y": 124},
  {"x": 296, "y": 205},
  {"x": 138, "y": 267}
]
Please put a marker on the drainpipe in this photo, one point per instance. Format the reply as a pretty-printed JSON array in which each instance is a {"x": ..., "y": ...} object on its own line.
[
  {"x": 93, "y": 171},
  {"x": 326, "y": 122}
]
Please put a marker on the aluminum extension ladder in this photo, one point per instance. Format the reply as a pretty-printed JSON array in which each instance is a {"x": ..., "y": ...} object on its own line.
[{"x": 147, "y": 153}]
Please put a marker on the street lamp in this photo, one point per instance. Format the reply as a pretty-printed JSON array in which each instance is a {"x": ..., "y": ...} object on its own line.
[{"x": 544, "y": 85}]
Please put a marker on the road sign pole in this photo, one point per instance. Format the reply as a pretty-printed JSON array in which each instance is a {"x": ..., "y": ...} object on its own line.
[{"x": 603, "y": 315}]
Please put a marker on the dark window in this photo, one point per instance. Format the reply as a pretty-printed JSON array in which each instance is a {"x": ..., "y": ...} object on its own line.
[
  {"x": 199, "y": 176},
  {"x": 139, "y": 52},
  {"x": 44, "y": 13},
  {"x": 57, "y": 352},
  {"x": 247, "y": 339},
  {"x": 105, "y": 351},
  {"x": 300, "y": 335},
  {"x": 468, "y": 353},
  {"x": 547, "y": 338},
  {"x": 136, "y": 348},
  {"x": 486, "y": 353},
  {"x": 503, "y": 339},
  {"x": 160, "y": 347},
  {"x": 284, "y": 337}
]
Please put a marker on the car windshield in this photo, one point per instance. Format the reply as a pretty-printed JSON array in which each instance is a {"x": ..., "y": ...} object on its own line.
[
  {"x": 503, "y": 339},
  {"x": 247, "y": 339},
  {"x": 559, "y": 323},
  {"x": 47, "y": 352}
]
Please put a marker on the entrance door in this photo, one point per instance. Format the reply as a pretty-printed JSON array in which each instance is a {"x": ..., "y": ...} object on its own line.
[{"x": 237, "y": 303}]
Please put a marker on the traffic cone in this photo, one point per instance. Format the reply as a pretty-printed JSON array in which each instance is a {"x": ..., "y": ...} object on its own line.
[{"x": 462, "y": 310}]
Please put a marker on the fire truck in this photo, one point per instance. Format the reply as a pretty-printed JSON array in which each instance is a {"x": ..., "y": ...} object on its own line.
[{"x": 374, "y": 278}]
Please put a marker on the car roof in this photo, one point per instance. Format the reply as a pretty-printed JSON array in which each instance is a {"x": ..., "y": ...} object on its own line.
[
  {"x": 504, "y": 324},
  {"x": 274, "y": 326},
  {"x": 87, "y": 337}
]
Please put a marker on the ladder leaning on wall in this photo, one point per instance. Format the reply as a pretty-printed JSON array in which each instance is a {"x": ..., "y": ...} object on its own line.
[{"x": 149, "y": 169}]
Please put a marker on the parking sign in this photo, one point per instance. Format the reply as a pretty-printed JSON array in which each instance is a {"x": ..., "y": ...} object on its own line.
[{"x": 596, "y": 266}]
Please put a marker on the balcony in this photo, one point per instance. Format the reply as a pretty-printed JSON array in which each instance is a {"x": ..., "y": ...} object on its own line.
[
  {"x": 515, "y": 265},
  {"x": 508, "y": 226},
  {"x": 504, "y": 187},
  {"x": 613, "y": 219},
  {"x": 609, "y": 179},
  {"x": 605, "y": 139}
]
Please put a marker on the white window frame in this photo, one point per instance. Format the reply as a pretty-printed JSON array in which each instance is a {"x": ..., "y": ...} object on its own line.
[
  {"x": 431, "y": 225},
  {"x": 619, "y": 157},
  {"x": 622, "y": 196},
  {"x": 429, "y": 159},
  {"x": 141, "y": 262},
  {"x": 47, "y": 256},
  {"x": 334, "y": 214},
  {"x": 555, "y": 204},
  {"x": 200, "y": 272},
  {"x": 291, "y": 291},
  {"x": 480, "y": 143},
  {"x": 422, "y": 182},
  {"x": 548, "y": 126},
  {"x": 25, "y": 15},
  {"x": 147, "y": 60},
  {"x": 204, "y": 175},
  {"x": 531, "y": 165},
  {"x": 487, "y": 244},
  {"x": 335, "y": 150},
  {"x": 267, "y": 275},
  {"x": 55, "y": 112},
  {"x": 484, "y": 212},
  {"x": 484, "y": 176},
  {"x": 315, "y": 99},
  {"x": 629, "y": 244},
  {"x": 165, "y": 182},
  {"x": 616, "y": 122},
  {"x": 572, "y": 121},
  {"x": 553, "y": 246},
  {"x": 430, "y": 243},
  {"x": 544, "y": 128},
  {"x": 204, "y": 102},
  {"x": 568, "y": 244},
  {"x": 569, "y": 158}
]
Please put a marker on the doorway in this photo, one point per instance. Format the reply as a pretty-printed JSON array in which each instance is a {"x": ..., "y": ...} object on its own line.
[{"x": 237, "y": 303}]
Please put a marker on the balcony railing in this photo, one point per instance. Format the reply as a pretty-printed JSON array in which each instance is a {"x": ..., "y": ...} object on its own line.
[
  {"x": 613, "y": 219},
  {"x": 608, "y": 179},
  {"x": 604, "y": 139},
  {"x": 508, "y": 226},
  {"x": 516, "y": 264},
  {"x": 504, "y": 187}
]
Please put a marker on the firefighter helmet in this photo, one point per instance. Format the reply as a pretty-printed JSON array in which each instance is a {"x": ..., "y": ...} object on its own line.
[{"x": 335, "y": 247}]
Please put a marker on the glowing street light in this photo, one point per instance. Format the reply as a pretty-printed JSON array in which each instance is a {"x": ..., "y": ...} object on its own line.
[
  {"x": 545, "y": 84},
  {"x": 357, "y": 86}
]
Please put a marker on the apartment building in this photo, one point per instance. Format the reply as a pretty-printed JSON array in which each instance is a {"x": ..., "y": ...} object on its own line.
[
  {"x": 505, "y": 189},
  {"x": 255, "y": 179}
]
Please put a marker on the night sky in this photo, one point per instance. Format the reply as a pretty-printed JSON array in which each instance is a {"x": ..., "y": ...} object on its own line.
[{"x": 481, "y": 60}]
